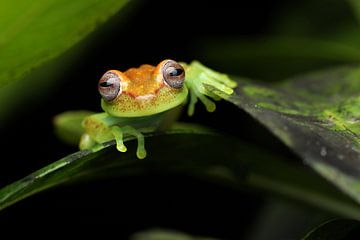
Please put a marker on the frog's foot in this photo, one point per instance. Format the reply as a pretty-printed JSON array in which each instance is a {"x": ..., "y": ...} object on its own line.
[
  {"x": 119, "y": 133},
  {"x": 86, "y": 142},
  {"x": 197, "y": 77},
  {"x": 119, "y": 138}
]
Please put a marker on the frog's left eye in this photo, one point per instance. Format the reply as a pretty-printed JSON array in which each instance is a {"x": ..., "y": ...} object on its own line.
[
  {"x": 109, "y": 86},
  {"x": 174, "y": 74}
]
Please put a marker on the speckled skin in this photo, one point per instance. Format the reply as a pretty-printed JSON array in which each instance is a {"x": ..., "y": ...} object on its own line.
[
  {"x": 144, "y": 92},
  {"x": 98, "y": 126},
  {"x": 143, "y": 98}
]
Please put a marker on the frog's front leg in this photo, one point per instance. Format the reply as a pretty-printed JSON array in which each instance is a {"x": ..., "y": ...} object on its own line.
[
  {"x": 198, "y": 77},
  {"x": 101, "y": 128},
  {"x": 86, "y": 142},
  {"x": 119, "y": 133}
]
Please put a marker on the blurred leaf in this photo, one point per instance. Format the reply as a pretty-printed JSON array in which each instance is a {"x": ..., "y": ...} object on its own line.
[
  {"x": 230, "y": 162},
  {"x": 318, "y": 116},
  {"x": 68, "y": 126},
  {"x": 312, "y": 18},
  {"x": 276, "y": 57},
  {"x": 160, "y": 234},
  {"x": 300, "y": 36},
  {"x": 37, "y": 31},
  {"x": 338, "y": 229},
  {"x": 355, "y": 5}
]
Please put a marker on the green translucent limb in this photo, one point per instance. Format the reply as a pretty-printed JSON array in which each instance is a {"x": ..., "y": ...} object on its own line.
[
  {"x": 119, "y": 138},
  {"x": 218, "y": 77},
  {"x": 198, "y": 77},
  {"x": 193, "y": 101},
  {"x": 194, "y": 96},
  {"x": 119, "y": 133},
  {"x": 140, "y": 152},
  {"x": 86, "y": 142},
  {"x": 97, "y": 147}
]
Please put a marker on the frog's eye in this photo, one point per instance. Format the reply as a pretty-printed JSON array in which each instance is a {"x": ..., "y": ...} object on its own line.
[
  {"x": 174, "y": 74},
  {"x": 109, "y": 86}
]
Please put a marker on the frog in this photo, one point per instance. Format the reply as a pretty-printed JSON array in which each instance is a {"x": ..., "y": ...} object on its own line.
[{"x": 143, "y": 99}]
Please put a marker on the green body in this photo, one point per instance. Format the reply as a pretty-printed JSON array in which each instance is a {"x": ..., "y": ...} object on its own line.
[{"x": 115, "y": 122}]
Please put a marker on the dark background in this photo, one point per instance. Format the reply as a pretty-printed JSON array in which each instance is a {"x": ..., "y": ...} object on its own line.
[{"x": 145, "y": 32}]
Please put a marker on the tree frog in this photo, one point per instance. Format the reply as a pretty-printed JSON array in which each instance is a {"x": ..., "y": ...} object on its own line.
[{"x": 142, "y": 98}]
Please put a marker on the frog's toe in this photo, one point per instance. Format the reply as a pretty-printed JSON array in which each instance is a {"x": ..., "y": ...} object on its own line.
[
  {"x": 121, "y": 147},
  {"x": 141, "y": 153}
]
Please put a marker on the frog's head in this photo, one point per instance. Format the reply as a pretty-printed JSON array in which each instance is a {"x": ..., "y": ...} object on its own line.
[{"x": 143, "y": 91}]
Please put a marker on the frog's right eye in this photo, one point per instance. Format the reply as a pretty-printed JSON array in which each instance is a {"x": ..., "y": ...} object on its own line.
[
  {"x": 173, "y": 74},
  {"x": 109, "y": 86}
]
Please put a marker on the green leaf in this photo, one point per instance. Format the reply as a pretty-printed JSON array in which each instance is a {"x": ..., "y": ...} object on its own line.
[
  {"x": 355, "y": 5},
  {"x": 338, "y": 229},
  {"x": 316, "y": 115},
  {"x": 230, "y": 162},
  {"x": 68, "y": 126},
  {"x": 33, "y": 32}
]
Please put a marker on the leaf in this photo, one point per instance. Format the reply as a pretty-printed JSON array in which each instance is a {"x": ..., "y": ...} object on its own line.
[
  {"x": 162, "y": 234},
  {"x": 68, "y": 126},
  {"x": 355, "y": 5},
  {"x": 313, "y": 18},
  {"x": 301, "y": 36},
  {"x": 279, "y": 56},
  {"x": 318, "y": 116},
  {"x": 230, "y": 162},
  {"x": 35, "y": 32},
  {"x": 338, "y": 229}
]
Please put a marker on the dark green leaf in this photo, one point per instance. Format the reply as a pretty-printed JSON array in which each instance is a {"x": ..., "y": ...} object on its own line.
[
  {"x": 316, "y": 115},
  {"x": 276, "y": 57},
  {"x": 301, "y": 36},
  {"x": 338, "y": 229},
  {"x": 230, "y": 161}
]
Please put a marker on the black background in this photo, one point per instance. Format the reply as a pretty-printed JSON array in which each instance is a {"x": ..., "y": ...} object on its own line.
[{"x": 150, "y": 32}]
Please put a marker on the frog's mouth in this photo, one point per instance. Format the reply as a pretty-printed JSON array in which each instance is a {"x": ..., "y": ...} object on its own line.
[{"x": 149, "y": 104}]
